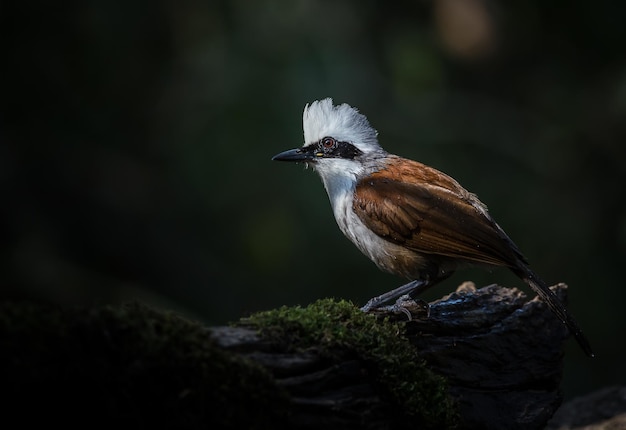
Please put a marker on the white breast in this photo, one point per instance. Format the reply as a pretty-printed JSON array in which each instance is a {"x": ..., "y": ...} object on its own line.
[{"x": 340, "y": 189}]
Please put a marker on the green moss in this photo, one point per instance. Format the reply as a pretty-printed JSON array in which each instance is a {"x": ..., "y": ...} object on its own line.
[
  {"x": 339, "y": 325},
  {"x": 132, "y": 365},
  {"x": 143, "y": 367}
]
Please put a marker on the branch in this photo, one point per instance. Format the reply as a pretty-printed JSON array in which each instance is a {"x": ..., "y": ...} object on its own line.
[
  {"x": 482, "y": 358},
  {"x": 502, "y": 357}
]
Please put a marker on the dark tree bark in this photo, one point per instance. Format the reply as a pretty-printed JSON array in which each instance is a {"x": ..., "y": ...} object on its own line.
[
  {"x": 502, "y": 356},
  {"x": 604, "y": 409}
]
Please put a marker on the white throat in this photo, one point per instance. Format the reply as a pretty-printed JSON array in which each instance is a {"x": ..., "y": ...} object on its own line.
[{"x": 340, "y": 178}]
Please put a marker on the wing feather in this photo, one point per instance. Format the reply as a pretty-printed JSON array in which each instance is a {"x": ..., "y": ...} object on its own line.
[{"x": 431, "y": 213}]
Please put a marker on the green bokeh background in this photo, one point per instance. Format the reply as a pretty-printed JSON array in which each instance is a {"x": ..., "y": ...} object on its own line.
[{"x": 136, "y": 140}]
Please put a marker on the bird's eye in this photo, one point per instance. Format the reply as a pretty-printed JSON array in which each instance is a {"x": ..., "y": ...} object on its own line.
[{"x": 329, "y": 143}]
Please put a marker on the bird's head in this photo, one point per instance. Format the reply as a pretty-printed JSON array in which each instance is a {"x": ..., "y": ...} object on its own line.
[{"x": 338, "y": 141}]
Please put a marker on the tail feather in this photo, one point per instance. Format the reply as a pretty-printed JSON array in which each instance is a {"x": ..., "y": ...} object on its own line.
[{"x": 555, "y": 305}]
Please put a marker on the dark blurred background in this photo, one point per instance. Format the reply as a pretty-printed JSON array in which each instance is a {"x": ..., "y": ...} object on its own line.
[{"x": 136, "y": 140}]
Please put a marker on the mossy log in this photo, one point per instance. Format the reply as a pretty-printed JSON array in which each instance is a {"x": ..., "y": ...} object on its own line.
[
  {"x": 486, "y": 358},
  {"x": 501, "y": 355}
]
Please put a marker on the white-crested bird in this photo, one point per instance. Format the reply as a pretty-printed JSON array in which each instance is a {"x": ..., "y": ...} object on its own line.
[{"x": 410, "y": 219}]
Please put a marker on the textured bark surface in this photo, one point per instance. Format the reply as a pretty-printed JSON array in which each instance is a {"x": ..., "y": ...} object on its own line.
[
  {"x": 323, "y": 393},
  {"x": 501, "y": 354},
  {"x": 604, "y": 409}
]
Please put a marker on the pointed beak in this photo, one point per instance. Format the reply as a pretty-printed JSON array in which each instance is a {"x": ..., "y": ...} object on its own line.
[{"x": 294, "y": 155}]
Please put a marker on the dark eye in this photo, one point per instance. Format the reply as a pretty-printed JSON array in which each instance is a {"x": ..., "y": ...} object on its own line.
[{"x": 329, "y": 143}]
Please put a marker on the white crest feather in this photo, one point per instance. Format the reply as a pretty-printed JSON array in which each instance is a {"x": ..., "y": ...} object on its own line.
[{"x": 343, "y": 122}]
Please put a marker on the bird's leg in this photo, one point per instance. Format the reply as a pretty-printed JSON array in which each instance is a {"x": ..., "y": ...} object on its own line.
[{"x": 413, "y": 288}]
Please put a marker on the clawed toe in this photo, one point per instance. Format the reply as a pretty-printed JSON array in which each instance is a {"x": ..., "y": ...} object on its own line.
[{"x": 405, "y": 304}]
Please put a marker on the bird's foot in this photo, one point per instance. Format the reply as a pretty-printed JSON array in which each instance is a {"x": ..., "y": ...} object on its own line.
[
  {"x": 413, "y": 288},
  {"x": 405, "y": 304}
]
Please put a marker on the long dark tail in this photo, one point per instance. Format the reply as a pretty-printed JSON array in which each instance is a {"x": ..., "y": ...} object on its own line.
[{"x": 553, "y": 302}]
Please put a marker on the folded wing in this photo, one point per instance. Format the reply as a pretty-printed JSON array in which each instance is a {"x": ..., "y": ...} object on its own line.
[{"x": 431, "y": 213}]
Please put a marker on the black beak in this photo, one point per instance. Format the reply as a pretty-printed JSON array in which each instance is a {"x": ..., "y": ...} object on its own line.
[{"x": 294, "y": 155}]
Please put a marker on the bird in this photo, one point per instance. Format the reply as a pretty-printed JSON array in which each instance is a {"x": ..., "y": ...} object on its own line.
[{"x": 410, "y": 219}]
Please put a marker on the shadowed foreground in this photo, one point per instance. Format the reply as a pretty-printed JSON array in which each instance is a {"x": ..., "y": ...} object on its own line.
[{"x": 484, "y": 358}]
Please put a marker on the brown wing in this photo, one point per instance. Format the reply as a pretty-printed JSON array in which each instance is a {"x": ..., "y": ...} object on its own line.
[{"x": 431, "y": 213}]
